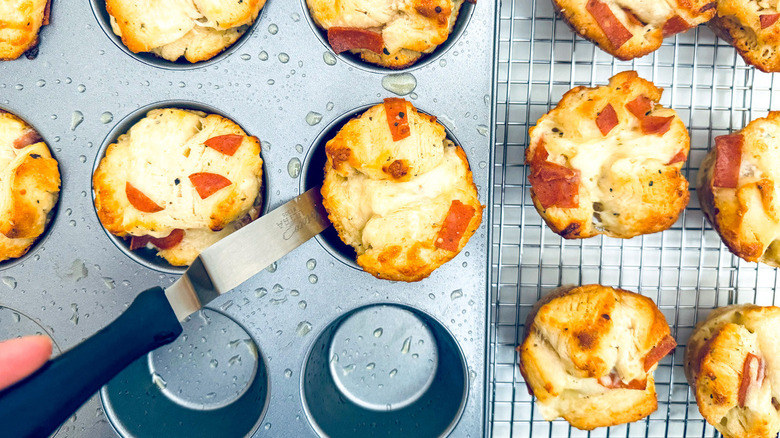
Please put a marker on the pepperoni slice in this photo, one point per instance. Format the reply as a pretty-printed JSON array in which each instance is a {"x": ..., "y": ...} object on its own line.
[
  {"x": 342, "y": 39},
  {"x": 768, "y": 20},
  {"x": 753, "y": 372},
  {"x": 658, "y": 352},
  {"x": 640, "y": 106},
  {"x": 140, "y": 201},
  {"x": 679, "y": 158},
  {"x": 606, "y": 119},
  {"x": 455, "y": 224},
  {"x": 728, "y": 159},
  {"x": 656, "y": 125},
  {"x": 29, "y": 137},
  {"x": 226, "y": 144},
  {"x": 397, "y": 118},
  {"x": 553, "y": 184},
  {"x": 675, "y": 25},
  {"x": 616, "y": 33},
  {"x": 166, "y": 242},
  {"x": 208, "y": 183},
  {"x": 613, "y": 381}
]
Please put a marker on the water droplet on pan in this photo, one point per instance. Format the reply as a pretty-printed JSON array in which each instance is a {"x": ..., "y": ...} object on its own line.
[
  {"x": 288, "y": 373},
  {"x": 261, "y": 292},
  {"x": 313, "y": 118},
  {"x": 10, "y": 282},
  {"x": 457, "y": 293},
  {"x": 407, "y": 345},
  {"x": 311, "y": 264},
  {"x": 483, "y": 130},
  {"x": 304, "y": 327},
  {"x": 313, "y": 279},
  {"x": 263, "y": 56},
  {"x": 41, "y": 83},
  {"x": 273, "y": 29},
  {"x": 106, "y": 117},
  {"x": 400, "y": 83},
  {"x": 284, "y": 58},
  {"x": 329, "y": 58},
  {"x": 246, "y": 56},
  {"x": 378, "y": 332},
  {"x": 302, "y": 304},
  {"x": 75, "y": 120},
  {"x": 294, "y": 168}
]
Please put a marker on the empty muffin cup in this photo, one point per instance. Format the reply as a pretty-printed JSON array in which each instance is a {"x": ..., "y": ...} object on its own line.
[
  {"x": 104, "y": 19},
  {"x": 146, "y": 256},
  {"x": 385, "y": 370},
  {"x": 211, "y": 381}
]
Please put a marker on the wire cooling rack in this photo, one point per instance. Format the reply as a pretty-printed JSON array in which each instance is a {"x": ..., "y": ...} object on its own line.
[{"x": 686, "y": 270}]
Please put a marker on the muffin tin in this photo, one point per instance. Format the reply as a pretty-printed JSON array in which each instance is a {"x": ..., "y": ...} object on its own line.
[{"x": 260, "y": 360}]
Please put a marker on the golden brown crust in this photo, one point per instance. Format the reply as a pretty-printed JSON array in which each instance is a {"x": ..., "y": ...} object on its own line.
[
  {"x": 644, "y": 20},
  {"x": 29, "y": 187},
  {"x": 629, "y": 181},
  {"x": 746, "y": 218},
  {"x": 715, "y": 368},
  {"x": 738, "y": 22},
  {"x": 20, "y": 22},
  {"x": 389, "y": 213},
  {"x": 410, "y": 29},
  {"x": 575, "y": 338},
  {"x": 157, "y": 156}
]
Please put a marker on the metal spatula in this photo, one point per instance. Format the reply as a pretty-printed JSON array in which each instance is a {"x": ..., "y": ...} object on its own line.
[{"x": 36, "y": 406}]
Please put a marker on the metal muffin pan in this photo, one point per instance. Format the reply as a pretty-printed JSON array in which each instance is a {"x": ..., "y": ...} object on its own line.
[{"x": 257, "y": 362}]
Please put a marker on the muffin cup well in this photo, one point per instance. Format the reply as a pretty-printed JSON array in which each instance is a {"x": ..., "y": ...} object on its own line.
[
  {"x": 464, "y": 17},
  {"x": 384, "y": 370},
  {"x": 103, "y": 18},
  {"x": 211, "y": 381},
  {"x": 144, "y": 256}
]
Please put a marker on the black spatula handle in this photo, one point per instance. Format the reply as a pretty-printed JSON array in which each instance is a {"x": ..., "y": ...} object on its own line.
[{"x": 39, "y": 404}]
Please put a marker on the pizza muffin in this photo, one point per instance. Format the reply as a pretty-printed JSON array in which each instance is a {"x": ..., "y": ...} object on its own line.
[
  {"x": 20, "y": 22},
  {"x": 631, "y": 29},
  {"x": 29, "y": 186},
  {"x": 386, "y": 32},
  {"x": 733, "y": 366},
  {"x": 607, "y": 161},
  {"x": 737, "y": 190},
  {"x": 589, "y": 354},
  {"x": 752, "y": 28},
  {"x": 399, "y": 192},
  {"x": 178, "y": 181},
  {"x": 197, "y": 30}
]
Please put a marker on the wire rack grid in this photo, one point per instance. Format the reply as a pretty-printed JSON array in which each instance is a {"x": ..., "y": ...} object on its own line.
[{"x": 686, "y": 270}]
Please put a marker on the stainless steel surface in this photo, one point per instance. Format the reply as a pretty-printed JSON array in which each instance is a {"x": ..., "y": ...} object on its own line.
[
  {"x": 686, "y": 270},
  {"x": 282, "y": 85},
  {"x": 239, "y": 256}
]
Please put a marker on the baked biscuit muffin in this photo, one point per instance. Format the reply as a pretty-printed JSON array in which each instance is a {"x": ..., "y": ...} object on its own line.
[
  {"x": 399, "y": 192},
  {"x": 179, "y": 181},
  {"x": 737, "y": 190},
  {"x": 589, "y": 354},
  {"x": 194, "y": 29},
  {"x": 607, "y": 161},
  {"x": 386, "y": 32},
  {"x": 752, "y": 28},
  {"x": 20, "y": 22},
  {"x": 29, "y": 186},
  {"x": 631, "y": 29},
  {"x": 733, "y": 366}
]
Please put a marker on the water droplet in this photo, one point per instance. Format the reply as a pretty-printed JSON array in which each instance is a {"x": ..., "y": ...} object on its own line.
[
  {"x": 486, "y": 99},
  {"x": 214, "y": 363},
  {"x": 68, "y": 80},
  {"x": 277, "y": 301},
  {"x": 299, "y": 148},
  {"x": 227, "y": 305},
  {"x": 400, "y": 83},
  {"x": 415, "y": 356},
  {"x": 10, "y": 282},
  {"x": 295, "y": 17},
  {"x": 272, "y": 267},
  {"x": 378, "y": 332},
  {"x": 313, "y": 118},
  {"x": 443, "y": 62},
  {"x": 393, "y": 372},
  {"x": 271, "y": 82},
  {"x": 370, "y": 366},
  {"x": 267, "y": 426},
  {"x": 81, "y": 88},
  {"x": 41, "y": 83},
  {"x": 109, "y": 282},
  {"x": 78, "y": 270},
  {"x": 432, "y": 296},
  {"x": 83, "y": 158},
  {"x": 329, "y": 58},
  {"x": 311, "y": 264},
  {"x": 74, "y": 318},
  {"x": 288, "y": 373},
  {"x": 304, "y": 327},
  {"x": 246, "y": 56},
  {"x": 483, "y": 130},
  {"x": 234, "y": 360},
  {"x": 278, "y": 288},
  {"x": 273, "y": 29},
  {"x": 263, "y": 56},
  {"x": 159, "y": 381},
  {"x": 313, "y": 279},
  {"x": 294, "y": 168},
  {"x": 302, "y": 304},
  {"x": 334, "y": 358},
  {"x": 348, "y": 369},
  {"x": 17, "y": 317},
  {"x": 19, "y": 87},
  {"x": 407, "y": 345},
  {"x": 106, "y": 117},
  {"x": 284, "y": 58},
  {"x": 457, "y": 293},
  {"x": 260, "y": 292},
  {"x": 294, "y": 293},
  {"x": 75, "y": 120},
  {"x": 482, "y": 164}
]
